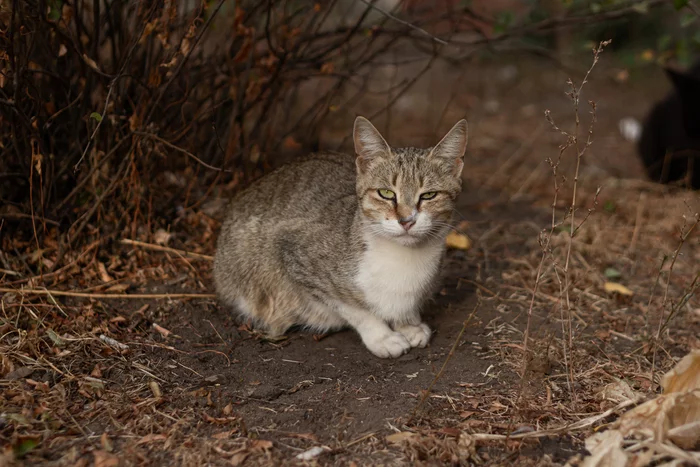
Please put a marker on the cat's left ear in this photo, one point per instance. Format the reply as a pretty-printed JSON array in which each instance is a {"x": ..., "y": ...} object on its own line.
[{"x": 453, "y": 146}]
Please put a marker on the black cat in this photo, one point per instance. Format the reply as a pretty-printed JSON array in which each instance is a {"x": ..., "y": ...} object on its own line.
[{"x": 670, "y": 141}]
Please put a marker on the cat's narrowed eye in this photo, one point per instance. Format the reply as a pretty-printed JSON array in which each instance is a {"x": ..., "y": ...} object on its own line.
[
  {"x": 428, "y": 195},
  {"x": 387, "y": 194}
]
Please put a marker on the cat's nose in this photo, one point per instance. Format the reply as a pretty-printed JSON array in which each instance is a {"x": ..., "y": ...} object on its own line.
[{"x": 407, "y": 223}]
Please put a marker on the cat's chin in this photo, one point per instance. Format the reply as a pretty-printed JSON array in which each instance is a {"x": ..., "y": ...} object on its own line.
[{"x": 407, "y": 240}]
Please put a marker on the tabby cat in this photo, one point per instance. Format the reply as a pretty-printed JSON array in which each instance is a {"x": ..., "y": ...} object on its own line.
[{"x": 327, "y": 242}]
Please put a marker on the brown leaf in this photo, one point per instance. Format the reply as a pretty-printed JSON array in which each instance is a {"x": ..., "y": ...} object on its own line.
[
  {"x": 308, "y": 436},
  {"x": 606, "y": 450},
  {"x": 260, "y": 445},
  {"x": 162, "y": 237},
  {"x": 19, "y": 373},
  {"x": 398, "y": 438},
  {"x": 151, "y": 438},
  {"x": 239, "y": 458},
  {"x": 6, "y": 365},
  {"x": 685, "y": 376},
  {"x": 96, "y": 372},
  {"x": 106, "y": 443},
  {"x": 118, "y": 288},
  {"x": 291, "y": 143},
  {"x": 105, "y": 459},
  {"x": 163, "y": 332},
  {"x": 102, "y": 270},
  {"x": 90, "y": 62},
  {"x": 223, "y": 434},
  {"x": 218, "y": 420}
]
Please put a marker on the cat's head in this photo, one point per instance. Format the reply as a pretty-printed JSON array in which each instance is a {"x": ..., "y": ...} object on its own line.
[
  {"x": 408, "y": 194},
  {"x": 686, "y": 84}
]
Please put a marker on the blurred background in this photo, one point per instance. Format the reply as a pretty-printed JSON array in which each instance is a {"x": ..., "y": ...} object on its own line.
[{"x": 121, "y": 116}]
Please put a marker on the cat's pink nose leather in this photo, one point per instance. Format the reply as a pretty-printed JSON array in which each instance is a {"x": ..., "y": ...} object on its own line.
[{"x": 407, "y": 224}]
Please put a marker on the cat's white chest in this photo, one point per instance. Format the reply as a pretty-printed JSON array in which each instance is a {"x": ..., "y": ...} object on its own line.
[{"x": 396, "y": 279}]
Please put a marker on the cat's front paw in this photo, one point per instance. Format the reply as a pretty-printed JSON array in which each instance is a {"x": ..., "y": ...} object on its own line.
[
  {"x": 417, "y": 336},
  {"x": 388, "y": 345}
]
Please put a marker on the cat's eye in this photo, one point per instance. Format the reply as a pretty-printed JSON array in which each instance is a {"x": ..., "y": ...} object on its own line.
[
  {"x": 387, "y": 194},
  {"x": 428, "y": 195}
]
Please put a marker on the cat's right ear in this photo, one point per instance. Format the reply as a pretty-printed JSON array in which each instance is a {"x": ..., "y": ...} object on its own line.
[
  {"x": 369, "y": 143},
  {"x": 684, "y": 82}
]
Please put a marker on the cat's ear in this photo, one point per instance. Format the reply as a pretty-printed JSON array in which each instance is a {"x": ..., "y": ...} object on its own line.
[
  {"x": 453, "y": 146},
  {"x": 684, "y": 82},
  {"x": 687, "y": 87},
  {"x": 369, "y": 143}
]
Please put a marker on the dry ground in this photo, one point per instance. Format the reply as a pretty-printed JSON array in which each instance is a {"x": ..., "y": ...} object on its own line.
[{"x": 179, "y": 381}]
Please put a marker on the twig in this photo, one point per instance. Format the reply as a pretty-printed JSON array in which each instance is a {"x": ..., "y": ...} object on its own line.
[
  {"x": 581, "y": 424},
  {"x": 183, "y": 61},
  {"x": 662, "y": 323},
  {"x": 151, "y": 246},
  {"x": 637, "y": 221},
  {"x": 64, "y": 293},
  {"x": 19, "y": 215},
  {"x": 179, "y": 149},
  {"x": 405, "y": 23},
  {"x": 426, "y": 393}
]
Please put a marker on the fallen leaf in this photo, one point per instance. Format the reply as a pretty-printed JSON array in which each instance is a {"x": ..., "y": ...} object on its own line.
[
  {"x": 458, "y": 241},
  {"x": 19, "y": 373},
  {"x": 686, "y": 436},
  {"x": 398, "y": 438},
  {"x": 163, "y": 332},
  {"x": 657, "y": 417},
  {"x": 312, "y": 453},
  {"x": 105, "y": 459},
  {"x": 106, "y": 443},
  {"x": 96, "y": 372},
  {"x": 307, "y": 436},
  {"x": 615, "y": 287},
  {"x": 606, "y": 450},
  {"x": 291, "y": 143},
  {"x": 260, "y": 445},
  {"x": 151, "y": 438},
  {"x": 228, "y": 409},
  {"x": 155, "y": 389},
  {"x": 90, "y": 62},
  {"x": 617, "y": 392},
  {"x": 118, "y": 288},
  {"x": 104, "y": 277},
  {"x": 161, "y": 237},
  {"x": 223, "y": 434},
  {"x": 685, "y": 376},
  {"x": 55, "y": 337},
  {"x": 238, "y": 458},
  {"x": 6, "y": 365}
]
